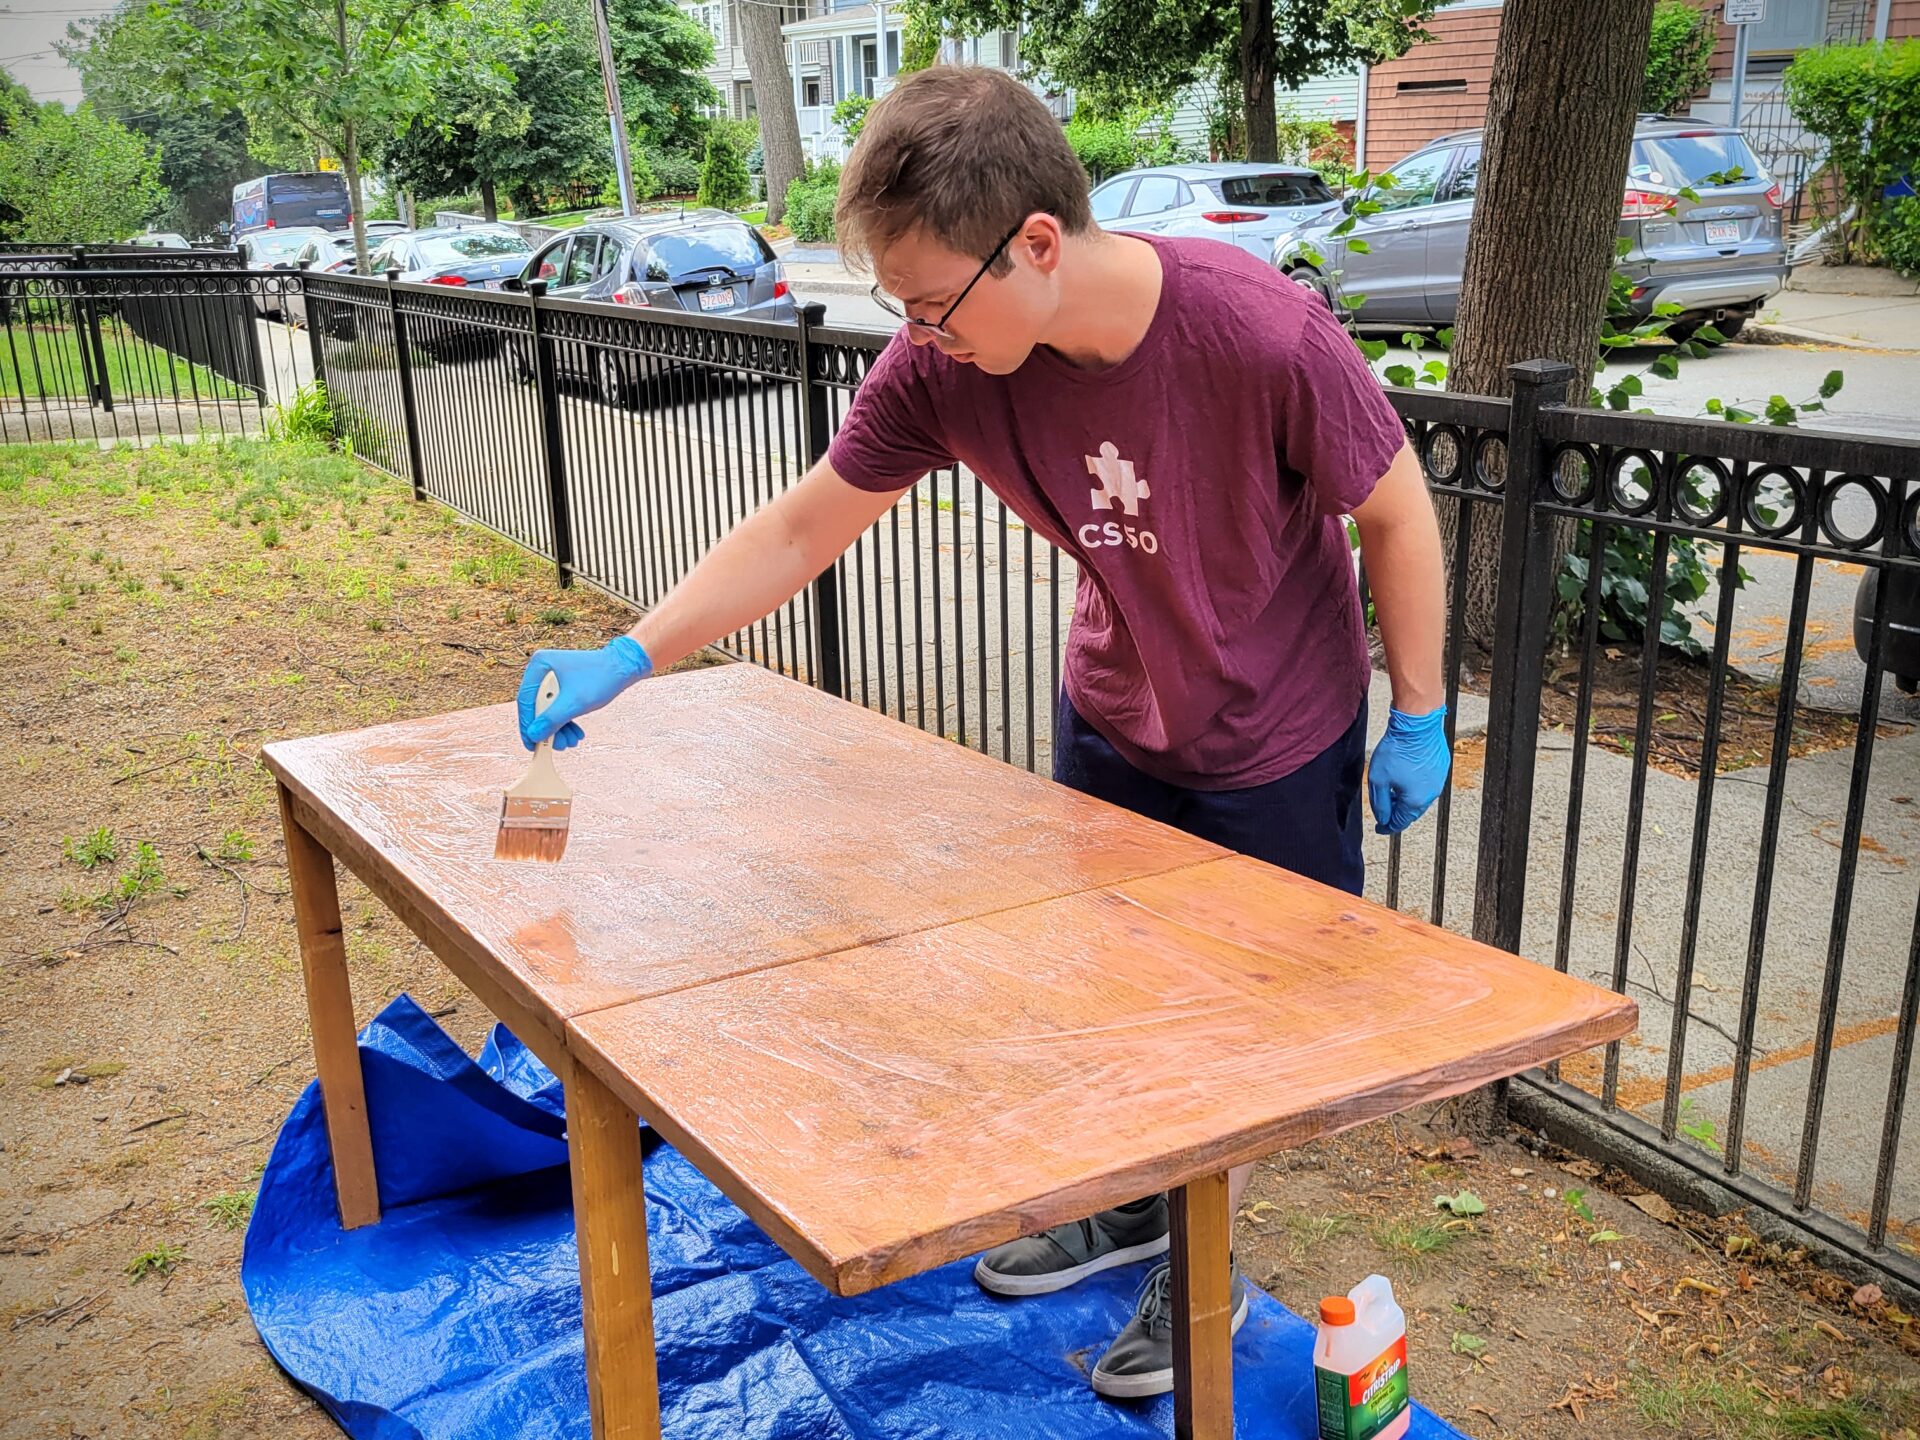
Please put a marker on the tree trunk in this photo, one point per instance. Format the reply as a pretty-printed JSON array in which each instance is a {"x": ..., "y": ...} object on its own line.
[
  {"x": 1256, "y": 80},
  {"x": 1560, "y": 115},
  {"x": 350, "y": 165},
  {"x": 489, "y": 201},
  {"x": 759, "y": 28}
]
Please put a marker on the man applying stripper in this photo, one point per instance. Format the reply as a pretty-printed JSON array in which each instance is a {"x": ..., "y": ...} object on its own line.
[{"x": 1190, "y": 427}]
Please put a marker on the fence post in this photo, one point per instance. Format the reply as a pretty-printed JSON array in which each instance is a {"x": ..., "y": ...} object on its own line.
[
  {"x": 826, "y": 587},
  {"x": 409, "y": 413},
  {"x": 552, "y": 440},
  {"x": 313, "y": 335},
  {"x": 93, "y": 351},
  {"x": 1521, "y": 612}
]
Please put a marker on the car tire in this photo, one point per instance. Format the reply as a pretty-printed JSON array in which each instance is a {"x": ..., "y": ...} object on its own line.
[
  {"x": 1311, "y": 280},
  {"x": 612, "y": 383}
]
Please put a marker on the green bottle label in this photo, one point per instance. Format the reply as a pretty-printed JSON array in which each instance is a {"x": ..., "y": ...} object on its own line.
[{"x": 1359, "y": 1406}]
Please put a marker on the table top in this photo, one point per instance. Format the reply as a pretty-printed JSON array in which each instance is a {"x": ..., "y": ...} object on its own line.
[
  {"x": 901, "y": 1104},
  {"x": 901, "y": 1001},
  {"x": 724, "y": 820}
]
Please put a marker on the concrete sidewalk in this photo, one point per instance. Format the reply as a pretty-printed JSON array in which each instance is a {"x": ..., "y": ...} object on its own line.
[
  {"x": 1853, "y": 322},
  {"x": 816, "y": 270}
]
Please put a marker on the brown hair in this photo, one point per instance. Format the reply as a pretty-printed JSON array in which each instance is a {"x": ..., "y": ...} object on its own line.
[{"x": 965, "y": 152}]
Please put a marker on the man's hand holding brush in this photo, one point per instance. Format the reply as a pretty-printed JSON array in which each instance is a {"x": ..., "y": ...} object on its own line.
[{"x": 588, "y": 680}]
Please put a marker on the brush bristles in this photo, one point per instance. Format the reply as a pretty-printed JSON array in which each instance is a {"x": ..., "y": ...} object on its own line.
[{"x": 532, "y": 829}]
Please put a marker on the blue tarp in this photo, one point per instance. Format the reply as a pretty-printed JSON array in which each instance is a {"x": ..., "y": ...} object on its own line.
[{"x": 458, "y": 1316}]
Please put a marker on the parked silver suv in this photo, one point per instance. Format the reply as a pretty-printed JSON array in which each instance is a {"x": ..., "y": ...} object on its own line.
[{"x": 1718, "y": 258}]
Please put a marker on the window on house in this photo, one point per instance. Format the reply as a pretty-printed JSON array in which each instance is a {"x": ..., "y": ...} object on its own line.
[
  {"x": 1432, "y": 87},
  {"x": 810, "y": 91}
]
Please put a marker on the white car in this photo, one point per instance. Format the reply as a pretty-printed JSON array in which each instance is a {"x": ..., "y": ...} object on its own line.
[{"x": 1245, "y": 205}]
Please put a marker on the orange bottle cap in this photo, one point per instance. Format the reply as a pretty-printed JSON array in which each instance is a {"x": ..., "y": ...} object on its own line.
[{"x": 1336, "y": 1310}]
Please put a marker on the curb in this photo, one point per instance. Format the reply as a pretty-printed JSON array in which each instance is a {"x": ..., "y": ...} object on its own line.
[
  {"x": 827, "y": 287},
  {"x": 1758, "y": 334}
]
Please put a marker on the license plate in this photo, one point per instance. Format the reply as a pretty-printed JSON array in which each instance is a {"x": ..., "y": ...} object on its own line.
[
  {"x": 494, "y": 284},
  {"x": 1723, "y": 232},
  {"x": 721, "y": 299}
]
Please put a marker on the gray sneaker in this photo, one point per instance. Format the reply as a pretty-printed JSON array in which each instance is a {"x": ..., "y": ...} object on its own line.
[
  {"x": 1041, "y": 1264},
  {"x": 1140, "y": 1361}
]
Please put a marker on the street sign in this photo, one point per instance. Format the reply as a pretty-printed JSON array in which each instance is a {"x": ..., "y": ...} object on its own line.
[{"x": 1744, "y": 12}]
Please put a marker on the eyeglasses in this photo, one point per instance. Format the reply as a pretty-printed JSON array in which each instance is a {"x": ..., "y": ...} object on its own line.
[{"x": 939, "y": 327}]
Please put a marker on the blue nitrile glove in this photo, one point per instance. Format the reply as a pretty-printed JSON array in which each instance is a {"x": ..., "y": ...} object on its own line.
[
  {"x": 588, "y": 680},
  {"x": 1409, "y": 769}
]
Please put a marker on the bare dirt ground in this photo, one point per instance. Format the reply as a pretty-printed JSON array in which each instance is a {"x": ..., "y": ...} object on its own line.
[{"x": 165, "y": 613}]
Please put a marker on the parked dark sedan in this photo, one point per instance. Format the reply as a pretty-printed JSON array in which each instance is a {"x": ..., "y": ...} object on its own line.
[
  {"x": 703, "y": 262},
  {"x": 483, "y": 257}
]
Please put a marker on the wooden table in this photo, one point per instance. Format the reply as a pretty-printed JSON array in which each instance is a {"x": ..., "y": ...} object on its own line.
[{"x": 900, "y": 1002}]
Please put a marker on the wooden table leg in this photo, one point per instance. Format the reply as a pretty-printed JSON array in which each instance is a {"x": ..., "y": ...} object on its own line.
[
  {"x": 616, "y": 1285},
  {"x": 1201, "y": 1257},
  {"x": 336, "y": 1051}
]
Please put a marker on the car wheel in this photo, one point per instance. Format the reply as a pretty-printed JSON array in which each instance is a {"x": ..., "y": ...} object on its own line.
[
  {"x": 612, "y": 382},
  {"x": 1312, "y": 281}
]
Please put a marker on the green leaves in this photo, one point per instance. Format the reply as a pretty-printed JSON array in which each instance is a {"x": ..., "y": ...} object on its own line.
[
  {"x": 1667, "y": 367},
  {"x": 1830, "y": 386},
  {"x": 1372, "y": 349},
  {"x": 1401, "y": 375},
  {"x": 1359, "y": 247},
  {"x": 1464, "y": 1203}
]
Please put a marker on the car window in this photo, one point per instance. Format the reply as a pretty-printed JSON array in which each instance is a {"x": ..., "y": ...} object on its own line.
[
  {"x": 1275, "y": 191},
  {"x": 551, "y": 260},
  {"x": 1690, "y": 158},
  {"x": 1111, "y": 198},
  {"x": 583, "y": 263},
  {"x": 609, "y": 256},
  {"x": 471, "y": 245},
  {"x": 1414, "y": 181},
  {"x": 1466, "y": 175},
  {"x": 1156, "y": 193},
  {"x": 734, "y": 247}
]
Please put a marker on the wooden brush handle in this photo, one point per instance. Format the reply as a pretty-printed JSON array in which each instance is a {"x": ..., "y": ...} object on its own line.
[{"x": 541, "y": 777}]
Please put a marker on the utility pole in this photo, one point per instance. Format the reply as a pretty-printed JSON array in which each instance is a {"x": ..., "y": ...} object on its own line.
[{"x": 616, "y": 115}]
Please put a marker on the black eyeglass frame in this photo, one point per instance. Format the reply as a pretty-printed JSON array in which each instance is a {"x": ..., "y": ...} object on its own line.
[{"x": 939, "y": 327}]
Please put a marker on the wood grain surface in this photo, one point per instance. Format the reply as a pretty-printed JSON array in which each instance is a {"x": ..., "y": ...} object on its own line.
[
  {"x": 724, "y": 820},
  {"x": 900, "y": 1104}
]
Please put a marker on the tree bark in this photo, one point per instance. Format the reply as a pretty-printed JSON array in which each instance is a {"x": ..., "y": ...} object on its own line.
[
  {"x": 489, "y": 201},
  {"x": 1560, "y": 116},
  {"x": 350, "y": 166},
  {"x": 759, "y": 28},
  {"x": 1256, "y": 80}
]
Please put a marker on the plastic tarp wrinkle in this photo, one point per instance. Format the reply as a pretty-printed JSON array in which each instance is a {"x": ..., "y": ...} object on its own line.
[{"x": 458, "y": 1316}]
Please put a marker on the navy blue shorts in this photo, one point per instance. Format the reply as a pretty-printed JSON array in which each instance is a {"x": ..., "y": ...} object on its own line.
[{"x": 1307, "y": 822}]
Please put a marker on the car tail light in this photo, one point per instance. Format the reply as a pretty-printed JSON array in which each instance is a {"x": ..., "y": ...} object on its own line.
[
  {"x": 631, "y": 294},
  {"x": 1776, "y": 197},
  {"x": 1232, "y": 217},
  {"x": 1644, "y": 204},
  {"x": 779, "y": 288},
  {"x": 446, "y": 280}
]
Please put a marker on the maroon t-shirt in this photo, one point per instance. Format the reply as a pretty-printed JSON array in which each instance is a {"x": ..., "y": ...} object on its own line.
[{"x": 1217, "y": 638}]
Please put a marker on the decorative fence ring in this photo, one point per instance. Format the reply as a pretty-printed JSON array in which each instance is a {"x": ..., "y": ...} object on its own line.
[
  {"x": 1685, "y": 466},
  {"x": 1581, "y": 495},
  {"x": 1778, "y": 527},
  {"x": 1489, "y": 458},
  {"x": 1877, "y": 497},
  {"x": 1617, "y": 479},
  {"x": 1430, "y": 445}
]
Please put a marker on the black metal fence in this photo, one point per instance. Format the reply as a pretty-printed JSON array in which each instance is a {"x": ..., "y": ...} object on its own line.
[{"x": 1747, "y": 882}]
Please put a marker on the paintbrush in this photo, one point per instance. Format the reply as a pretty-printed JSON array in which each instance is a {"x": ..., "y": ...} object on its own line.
[{"x": 535, "y": 813}]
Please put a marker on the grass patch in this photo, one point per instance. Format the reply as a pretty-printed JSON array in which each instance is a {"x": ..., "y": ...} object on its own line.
[
  {"x": 1724, "y": 1402},
  {"x": 160, "y": 1260},
  {"x": 1418, "y": 1241},
  {"x": 231, "y": 1209},
  {"x": 44, "y": 362}
]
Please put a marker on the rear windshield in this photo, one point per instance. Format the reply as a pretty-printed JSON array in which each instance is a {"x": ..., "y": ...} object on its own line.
[
  {"x": 1275, "y": 190},
  {"x": 269, "y": 246},
  {"x": 308, "y": 187},
  {"x": 471, "y": 245},
  {"x": 731, "y": 247},
  {"x": 1693, "y": 157}
]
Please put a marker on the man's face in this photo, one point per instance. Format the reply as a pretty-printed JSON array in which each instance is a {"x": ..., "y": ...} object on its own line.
[{"x": 1002, "y": 317}]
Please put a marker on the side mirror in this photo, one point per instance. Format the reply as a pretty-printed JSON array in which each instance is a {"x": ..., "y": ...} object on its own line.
[
  {"x": 513, "y": 282},
  {"x": 1348, "y": 201}
]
